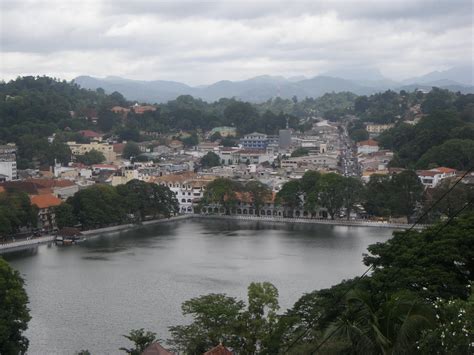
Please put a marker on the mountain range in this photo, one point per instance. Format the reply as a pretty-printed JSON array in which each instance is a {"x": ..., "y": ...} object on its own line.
[{"x": 261, "y": 88}]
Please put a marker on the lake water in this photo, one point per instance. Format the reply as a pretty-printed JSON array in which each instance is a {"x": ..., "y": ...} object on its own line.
[{"x": 87, "y": 296}]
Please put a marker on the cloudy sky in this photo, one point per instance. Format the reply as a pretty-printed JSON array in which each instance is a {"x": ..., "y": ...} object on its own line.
[{"x": 199, "y": 42}]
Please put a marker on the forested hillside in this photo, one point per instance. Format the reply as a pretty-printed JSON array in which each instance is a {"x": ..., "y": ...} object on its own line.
[
  {"x": 33, "y": 108},
  {"x": 444, "y": 137}
]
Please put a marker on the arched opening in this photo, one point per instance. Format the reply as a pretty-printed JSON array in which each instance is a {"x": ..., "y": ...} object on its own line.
[
  {"x": 262, "y": 213},
  {"x": 216, "y": 210},
  {"x": 297, "y": 213},
  {"x": 239, "y": 211},
  {"x": 245, "y": 211},
  {"x": 269, "y": 212},
  {"x": 250, "y": 211},
  {"x": 183, "y": 200},
  {"x": 305, "y": 214}
]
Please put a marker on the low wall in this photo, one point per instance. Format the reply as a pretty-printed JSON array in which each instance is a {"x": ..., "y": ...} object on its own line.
[
  {"x": 337, "y": 222},
  {"x": 13, "y": 246}
]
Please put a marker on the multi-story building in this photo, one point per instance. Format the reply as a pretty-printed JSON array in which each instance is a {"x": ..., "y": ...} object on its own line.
[
  {"x": 431, "y": 178},
  {"x": 8, "y": 162},
  {"x": 188, "y": 188},
  {"x": 81, "y": 149},
  {"x": 254, "y": 141},
  {"x": 367, "y": 147}
]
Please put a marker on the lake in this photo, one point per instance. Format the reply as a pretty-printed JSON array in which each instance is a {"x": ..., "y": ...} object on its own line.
[{"x": 86, "y": 296}]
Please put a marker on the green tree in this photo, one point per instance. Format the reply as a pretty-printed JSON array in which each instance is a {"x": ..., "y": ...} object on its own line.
[
  {"x": 191, "y": 141},
  {"x": 392, "y": 327},
  {"x": 353, "y": 193},
  {"x": 210, "y": 160},
  {"x": 64, "y": 215},
  {"x": 290, "y": 195},
  {"x": 214, "y": 319},
  {"x": 430, "y": 263},
  {"x": 98, "y": 206},
  {"x": 332, "y": 193},
  {"x": 405, "y": 194},
  {"x": 447, "y": 203},
  {"x": 91, "y": 158},
  {"x": 359, "y": 135},
  {"x": 130, "y": 150},
  {"x": 299, "y": 152},
  {"x": 442, "y": 155},
  {"x": 140, "y": 339},
  {"x": 14, "y": 313},
  {"x": 222, "y": 192},
  {"x": 260, "y": 194}
]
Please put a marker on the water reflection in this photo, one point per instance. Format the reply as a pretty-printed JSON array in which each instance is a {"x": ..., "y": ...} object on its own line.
[{"x": 86, "y": 296}]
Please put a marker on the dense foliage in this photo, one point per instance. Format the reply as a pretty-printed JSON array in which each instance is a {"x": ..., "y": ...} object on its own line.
[
  {"x": 418, "y": 300},
  {"x": 448, "y": 128},
  {"x": 104, "y": 205},
  {"x": 14, "y": 313},
  {"x": 33, "y": 108},
  {"x": 16, "y": 212}
]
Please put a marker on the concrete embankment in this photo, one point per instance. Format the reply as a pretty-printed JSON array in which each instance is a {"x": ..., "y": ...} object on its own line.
[
  {"x": 338, "y": 222},
  {"x": 32, "y": 243}
]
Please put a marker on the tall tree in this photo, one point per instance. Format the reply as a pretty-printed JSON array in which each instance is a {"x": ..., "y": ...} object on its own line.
[
  {"x": 14, "y": 313},
  {"x": 260, "y": 194},
  {"x": 140, "y": 339},
  {"x": 331, "y": 195}
]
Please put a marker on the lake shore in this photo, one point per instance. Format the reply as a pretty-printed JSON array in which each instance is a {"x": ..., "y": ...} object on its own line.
[{"x": 92, "y": 233}]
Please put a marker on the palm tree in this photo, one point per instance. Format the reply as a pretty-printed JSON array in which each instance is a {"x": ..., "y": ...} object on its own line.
[{"x": 391, "y": 327}]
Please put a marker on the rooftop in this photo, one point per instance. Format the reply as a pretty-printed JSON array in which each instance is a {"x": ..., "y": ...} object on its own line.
[{"x": 45, "y": 201}]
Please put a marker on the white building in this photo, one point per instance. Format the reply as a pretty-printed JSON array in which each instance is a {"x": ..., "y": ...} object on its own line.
[
  {"x": 8, "y": 162},
  {"x": 188, "y": 188},
  {"x": 431, "y": 178},
  {"x": 367, "y": 147}
]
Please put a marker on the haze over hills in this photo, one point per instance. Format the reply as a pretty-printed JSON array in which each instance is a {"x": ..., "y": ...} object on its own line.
[{"x": 263, "y": 87}]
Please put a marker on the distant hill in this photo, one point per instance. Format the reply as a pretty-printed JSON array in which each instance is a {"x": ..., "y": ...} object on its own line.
[{"x": 264, "y": 87}]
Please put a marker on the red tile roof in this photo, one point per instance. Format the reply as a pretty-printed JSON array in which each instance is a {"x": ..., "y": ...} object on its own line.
[
  {"x": 90, "y": 134},
  {"x": 51, "y": 183},
  {"x": 219, "y": 350},
  {"x": 45, "y": 201},
  {"x": 156, "y": 349},
  {"x": 445, "y": 170},
  {"x": 369, "y": 142}
]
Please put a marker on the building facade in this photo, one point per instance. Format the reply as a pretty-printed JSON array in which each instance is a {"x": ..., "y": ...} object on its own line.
[{"x": 8, "y": 162}]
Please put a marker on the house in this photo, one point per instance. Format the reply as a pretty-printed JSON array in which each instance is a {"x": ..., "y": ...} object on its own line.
[
  {"x": 368, "y": 146},
  {"x": 155, "y": 348},
  {"x": 219, "y": 350},
  {"x": 93, "y": 136},
  {"x": 120, "y": 110},
  {"x": 431, "y": 178},
  {"x": 224, "y": 131},
  {"x": 176, "y": 145},
  {"x": 375, "y": 129},
  {"x": 81, "y": 149},
  {"x": 141, "y": 109},
  {"x": 46, "y": 215},
  {"x": 60, "y": 188}
]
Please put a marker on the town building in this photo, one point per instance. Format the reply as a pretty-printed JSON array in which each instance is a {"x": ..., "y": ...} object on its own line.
[
  {"x": 46, "y": 214},
  {"x": 224, "y": 131},
  {"x": 8, "y": 168},
  {"x": 375, "y": 129},
  {"x": 431, "y": 178},
  {"x": 81, "y": 149},
  {"x": 188, "y": 187},
  {"x": 368, "y": 146},
  {"x": 254, "y": 141}
]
